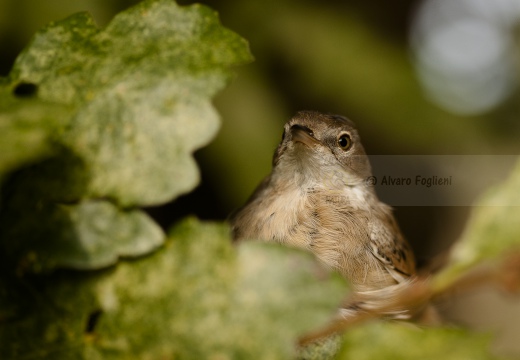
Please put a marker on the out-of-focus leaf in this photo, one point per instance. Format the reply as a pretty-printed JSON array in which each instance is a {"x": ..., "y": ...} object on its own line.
[
  {"x": 176, "y": 302},
  {"x": 138, "y": 95},
  {"x": 218, "y": 303},
  {"x": 25, "y": 125},
  {"x": 46, "y": 318},
  {"x": 401, "y": 342},
  {"x": 197, "y": 298},
  {"x": 87, "y": 235},
  {"x": 491, "y": 231},
  {"x": 279, "y": 297},
  {"x": 141, "y": 89}
]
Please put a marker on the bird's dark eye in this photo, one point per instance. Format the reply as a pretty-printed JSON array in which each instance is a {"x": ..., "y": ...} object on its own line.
[{"x": 345, "y": 142}]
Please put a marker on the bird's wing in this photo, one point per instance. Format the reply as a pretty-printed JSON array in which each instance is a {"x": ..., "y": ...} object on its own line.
[{"x": 389, "y": 246}]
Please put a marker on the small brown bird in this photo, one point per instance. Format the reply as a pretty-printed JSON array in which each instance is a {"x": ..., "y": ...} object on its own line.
[{"x": 319, "y": 197}]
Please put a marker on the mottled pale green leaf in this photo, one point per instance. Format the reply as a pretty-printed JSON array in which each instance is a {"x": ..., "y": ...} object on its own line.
[
  {"x": 212, "y": 302},
  {"x": 176, "y": 302},
  {"x": 393, "y": 341},
  {"x": 138, "y": 100},
  {"x": 87, "y": 235},
  {"x": 25, "y": 125},
  {"x": 197, "y": 298},
  {"x": 141, "y": 89},
  {"x": 279, "y": 297},
  {"x": 492, "y": 229}
]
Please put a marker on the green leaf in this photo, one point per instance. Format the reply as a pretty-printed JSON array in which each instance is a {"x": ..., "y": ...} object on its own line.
[
  {"x": 141, "y": 90},
  {"x": 279, "y": 297},
  {"x": 181, "y": 291},
  {"x": 402, "y": 341},
  {"x": 196, "y": 298},
  {"x": 25, "y": 125},
  {"x": 492, "y": 229},
  {"x": 210, "y": 301},
  {"x": 87, "y": 235},
  {"x": 130, "y": 103}
]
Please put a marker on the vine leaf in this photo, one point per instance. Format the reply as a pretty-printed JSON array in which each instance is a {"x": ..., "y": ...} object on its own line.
[
  {"x": 107, "y": 119},
  {"x": 198, "y": 297},
  {"x": 141, "y": 89}
]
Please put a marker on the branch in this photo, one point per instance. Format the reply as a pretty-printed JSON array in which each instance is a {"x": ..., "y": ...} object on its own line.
[{"x": 416, "y": 296}]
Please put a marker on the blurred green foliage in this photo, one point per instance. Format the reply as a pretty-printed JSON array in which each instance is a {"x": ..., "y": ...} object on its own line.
[
  {"x": 138, "y": 94},
  {"x": 197, "y": 298},
  {"x": 179, "y": 59},
  {"x": 492, "y": 230},
  {"x": 397, "y": 342}
]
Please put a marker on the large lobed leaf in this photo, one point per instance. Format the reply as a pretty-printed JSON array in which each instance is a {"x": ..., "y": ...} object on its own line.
[
  {"x": 196, "y": 298},
  {"x": 113, "y": 115},
  {"x": 141, "y": 89}
]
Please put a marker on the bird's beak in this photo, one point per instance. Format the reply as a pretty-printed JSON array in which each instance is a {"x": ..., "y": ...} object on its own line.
[{"x": 304, "y": 135}]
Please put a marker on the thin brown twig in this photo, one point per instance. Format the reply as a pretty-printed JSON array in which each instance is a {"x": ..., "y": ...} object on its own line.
[
  {"x": 420, "y": 293},
  {"x": 410, "y": 297}
]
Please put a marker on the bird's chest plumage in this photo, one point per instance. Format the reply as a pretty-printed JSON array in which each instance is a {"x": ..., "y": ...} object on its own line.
[{"x": 330, "y": 224}]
